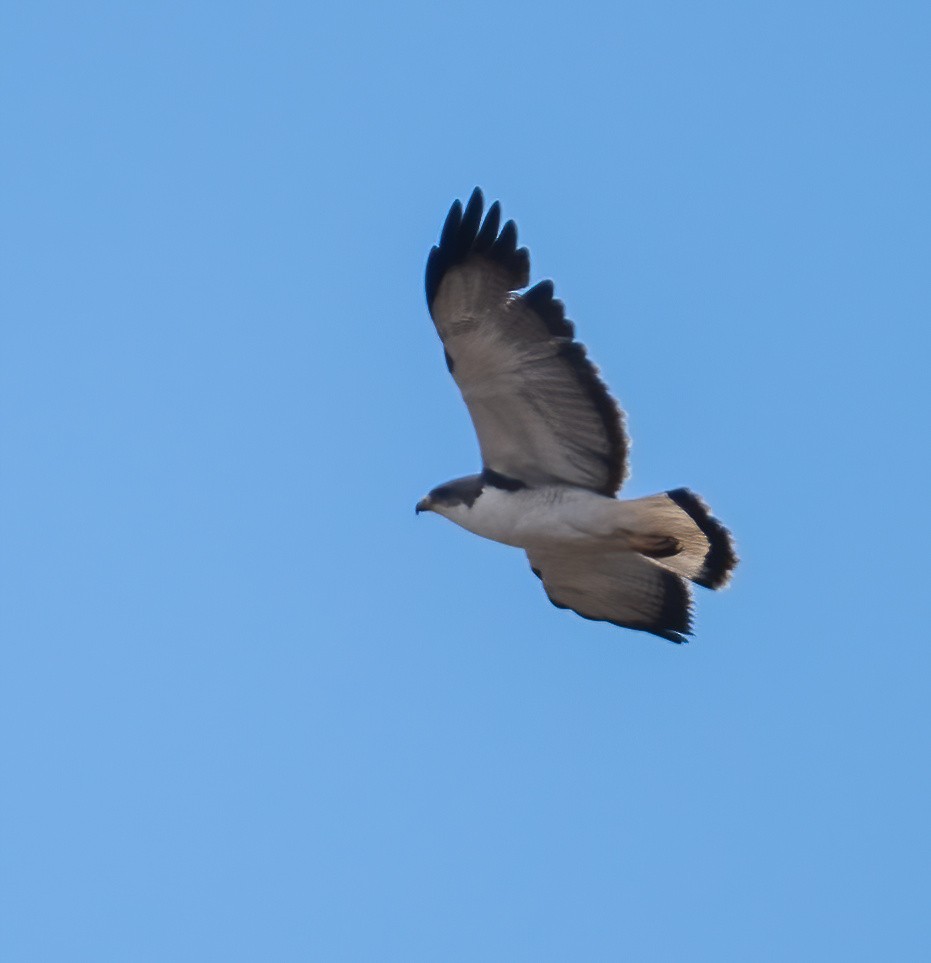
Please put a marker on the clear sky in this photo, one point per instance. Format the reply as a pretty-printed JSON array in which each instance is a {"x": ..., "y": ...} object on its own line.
[{"x": 251, "y": 707}]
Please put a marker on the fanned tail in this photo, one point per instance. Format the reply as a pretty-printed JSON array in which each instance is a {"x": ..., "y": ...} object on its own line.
[{"x": 677, "y": 530}]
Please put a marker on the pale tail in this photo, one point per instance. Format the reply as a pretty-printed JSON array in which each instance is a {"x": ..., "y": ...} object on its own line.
[{"x": 677, "y": 530}]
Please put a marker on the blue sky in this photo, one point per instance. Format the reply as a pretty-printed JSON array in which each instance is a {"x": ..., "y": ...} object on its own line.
[{"x": 251, "y": 707}]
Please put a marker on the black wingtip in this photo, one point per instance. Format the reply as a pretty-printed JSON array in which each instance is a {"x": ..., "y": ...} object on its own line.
[
  {"x": 721, "y": 559},
  {"x": 550, "y": 309},
  {"x": 472, "y": 216},
  {"x": 451, "y": 224},
  {"x": 674, "y": 621},
  {"x": 506, "y": 242},
  {"x": 675, "y": 618},
  {"x": 435, "y": 271},
  {"x": 465, "y": 233},
  {"x": 489, "y": 231}
]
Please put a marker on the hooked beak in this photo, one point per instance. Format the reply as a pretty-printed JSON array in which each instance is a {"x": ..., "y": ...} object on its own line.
[{"x": 423, "y": 505}]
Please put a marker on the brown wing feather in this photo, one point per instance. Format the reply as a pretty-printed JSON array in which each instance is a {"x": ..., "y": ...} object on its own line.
[
  {"x": 541, "y": 412},
  {"x": 622, "y": 588}
]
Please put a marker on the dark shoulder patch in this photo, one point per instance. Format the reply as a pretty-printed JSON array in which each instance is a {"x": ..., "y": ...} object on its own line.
[
  {"x": 721, "y": 559},
  {"x": 497, "y": 480},
  {"x": 465, "y": 234},
  {"x": 450, "y": 364}
]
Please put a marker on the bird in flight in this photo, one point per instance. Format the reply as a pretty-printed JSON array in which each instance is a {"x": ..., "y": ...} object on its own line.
[{"x": 554, "y": 446}]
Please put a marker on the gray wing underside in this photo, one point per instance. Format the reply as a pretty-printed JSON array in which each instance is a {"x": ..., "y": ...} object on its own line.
[
  {"x": 624, "y": 588},
  {"x": 540, "y": 410}
]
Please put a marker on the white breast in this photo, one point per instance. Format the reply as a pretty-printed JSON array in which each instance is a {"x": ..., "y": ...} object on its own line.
[{"x": 535, "y": 516}]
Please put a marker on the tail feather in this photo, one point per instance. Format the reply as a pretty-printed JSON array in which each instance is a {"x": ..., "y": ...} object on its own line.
[
  {"x": 677, "y": 530},
  {"x": 721, "y": 558}
]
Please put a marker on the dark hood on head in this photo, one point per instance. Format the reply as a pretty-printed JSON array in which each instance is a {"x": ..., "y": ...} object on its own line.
[{"x": 459, "y": 491}]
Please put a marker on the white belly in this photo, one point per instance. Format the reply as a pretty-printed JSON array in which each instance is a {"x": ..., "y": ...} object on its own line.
[{"x": 537, "y": 516}]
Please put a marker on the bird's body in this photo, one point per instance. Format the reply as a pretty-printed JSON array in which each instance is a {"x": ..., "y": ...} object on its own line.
[
  {"x": 548, "y": 516},
  {"x": 554, "y": 445}
]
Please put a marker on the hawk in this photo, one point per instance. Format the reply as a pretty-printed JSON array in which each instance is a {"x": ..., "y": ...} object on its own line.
[{"x": 554, "y": 445}]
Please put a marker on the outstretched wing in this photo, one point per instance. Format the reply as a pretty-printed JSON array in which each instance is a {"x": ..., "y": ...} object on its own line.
[
  {"x": 624, "y": 588},
  {"x": 540, "y": 410}
]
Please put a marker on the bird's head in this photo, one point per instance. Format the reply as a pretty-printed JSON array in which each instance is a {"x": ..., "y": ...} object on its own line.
[{"x": 453, "y": 498}]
